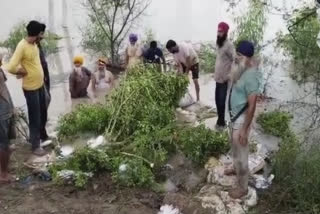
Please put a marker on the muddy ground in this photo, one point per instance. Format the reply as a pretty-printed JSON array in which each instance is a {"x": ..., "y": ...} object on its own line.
[{"x": 31, "y": 195}]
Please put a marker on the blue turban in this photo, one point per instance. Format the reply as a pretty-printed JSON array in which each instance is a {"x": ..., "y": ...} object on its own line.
[
  {"x": 133, "y": 37},
  {"x": 246, "y": 48}
]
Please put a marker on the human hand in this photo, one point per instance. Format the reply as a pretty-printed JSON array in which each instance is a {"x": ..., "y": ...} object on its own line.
[
  {"x": 21, "y": 73},
  {"x": 243, "y": 137}
]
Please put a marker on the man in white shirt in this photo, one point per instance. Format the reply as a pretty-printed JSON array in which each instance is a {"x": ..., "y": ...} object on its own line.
[{"x": 187, "y": 60}]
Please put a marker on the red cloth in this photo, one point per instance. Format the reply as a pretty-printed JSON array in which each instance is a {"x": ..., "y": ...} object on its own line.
[{"x": 224, "y": 27}]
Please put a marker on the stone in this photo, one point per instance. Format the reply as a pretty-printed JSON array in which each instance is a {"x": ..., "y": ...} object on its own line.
[
  {"x": 217, "y": 176},
  {"x": 220, "y": 202},
  {"x": 66, "y": 151},
  {"x": 256, "y": 163},
  {"x": 212, "y": 163},
  {"x": 210, "y": 200},
  {"x": 194, "y": 179},
  {"x": 169, "y": 186}
]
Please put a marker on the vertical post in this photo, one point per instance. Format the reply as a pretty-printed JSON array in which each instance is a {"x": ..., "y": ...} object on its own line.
[{"x": 51, "y": 15}]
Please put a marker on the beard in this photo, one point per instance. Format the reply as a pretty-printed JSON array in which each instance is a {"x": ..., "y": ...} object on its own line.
[
  {"x": 78, "y": 71},
  {"x": 221, "y": 40},
  {"x": 237, "y": 70}
]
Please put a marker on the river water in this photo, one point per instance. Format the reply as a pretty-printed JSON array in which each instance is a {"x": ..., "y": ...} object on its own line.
[{"x": 169, "y": 19}]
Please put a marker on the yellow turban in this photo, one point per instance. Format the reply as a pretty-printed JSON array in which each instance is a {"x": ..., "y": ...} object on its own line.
[{"x": 78, "y": 60}]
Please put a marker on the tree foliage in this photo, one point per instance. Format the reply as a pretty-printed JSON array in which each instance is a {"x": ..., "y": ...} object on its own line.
[
  {"x": 49, "y": 44},
  {"x": 300, "y": 44},
  {"x": 251, "y": 25},
  {"x": 109, "y": 23}
]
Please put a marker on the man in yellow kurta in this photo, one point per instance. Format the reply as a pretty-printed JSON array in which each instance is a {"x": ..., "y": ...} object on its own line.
[{"x": 27, "y": 56}]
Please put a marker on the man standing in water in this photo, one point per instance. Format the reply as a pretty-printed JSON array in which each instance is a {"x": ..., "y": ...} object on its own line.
[
  {"x": 187, "y": 60},
  {"x": 79, "y": 79},
  {"x": 7, "y": 129},
  {"x": 102, "y": 79},
  {"x": 242, "y": 104},
  {"x": 225, "y": 58},
  {"x": 27, "y": 55},
  {"x": 133, "y": 52}
]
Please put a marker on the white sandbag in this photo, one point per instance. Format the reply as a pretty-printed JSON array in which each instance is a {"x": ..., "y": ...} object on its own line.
[{"x": 186, "y": 101}]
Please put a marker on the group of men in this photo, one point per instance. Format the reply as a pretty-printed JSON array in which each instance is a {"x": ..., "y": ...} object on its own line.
[
  {"x": 237, "y": 86},
  {"x": 236, "y": 74}
]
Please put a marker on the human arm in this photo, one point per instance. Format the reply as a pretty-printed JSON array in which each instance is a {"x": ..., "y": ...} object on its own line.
[
  {"x": 72, "y": 84},
  {"x": 252, "y": 87},
  {"x": 164, "y": 63},
  {"x": 15, "y": 61},
  {"x": 252, "y": 100},
  {"x": 93, "y": 83}
]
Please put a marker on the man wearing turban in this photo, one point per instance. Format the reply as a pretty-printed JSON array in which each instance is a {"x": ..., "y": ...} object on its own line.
[
  {"x": 242, "y": 104},
  {"x": 79, "y": 79},
  {"x": 224, "y": 60},
  {"x": 133, "y": 52}
]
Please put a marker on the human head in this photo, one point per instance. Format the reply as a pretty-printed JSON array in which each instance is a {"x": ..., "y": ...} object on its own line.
[
  {"x": 172, "y": 47},
  {"x": 78, "y": 61},
  {"x": 133, "y": 38},
  {"x": 43, "y": 30},
  {"x": 102, "y": 64},
  {"x": 153, "y": 44},
  {"x": 34, "y": 29},
  {"x": 245, "y": 52},
  {"x": 223, "y": 29}
]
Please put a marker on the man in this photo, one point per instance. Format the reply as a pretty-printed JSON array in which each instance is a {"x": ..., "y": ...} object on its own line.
[
  {"x": 242, "y": 105},
  {"x": 133, "y": 52},
  {"x": 102, "y": 78},
  {"x": 27, "y": 55},
  {"x": 224, "y": 60},
  {"x": 79, "y": 79},
  {"x": 187, "y": 60},
  {"x": 155, "y": 55},
  {"x": 43, "y": 59},
  {"x": 7, "y": 129},
  {"x": 44, "y": 136}
]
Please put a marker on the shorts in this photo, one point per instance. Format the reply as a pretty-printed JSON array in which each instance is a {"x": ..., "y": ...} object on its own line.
[
  {"x": 7, "y": 132},
  {"x": 236, "y": 125},
  {"x": 194, "y": 69}
]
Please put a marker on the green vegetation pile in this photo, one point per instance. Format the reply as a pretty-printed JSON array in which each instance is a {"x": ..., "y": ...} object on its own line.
[{"x": 139, "y": 123}]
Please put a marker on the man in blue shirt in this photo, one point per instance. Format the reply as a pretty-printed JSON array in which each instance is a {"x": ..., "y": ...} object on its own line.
[
  {"x": 242, "y": 106},
  {"x": 155, "y": 55}
]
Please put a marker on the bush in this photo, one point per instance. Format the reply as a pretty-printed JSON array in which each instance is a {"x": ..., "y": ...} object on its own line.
[
  {"x": 275, "y": 123},
  {"x": 200, "y": 143},
  {"x": 49, "y": 44},
  {"x": 85, "y": 118},
  {"x": 296, "y": 169}
]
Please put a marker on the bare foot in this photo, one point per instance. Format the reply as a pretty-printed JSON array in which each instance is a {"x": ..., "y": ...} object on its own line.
[
  {"x": 238, "y": 193},
  {"x": 6, "y": 178}
]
